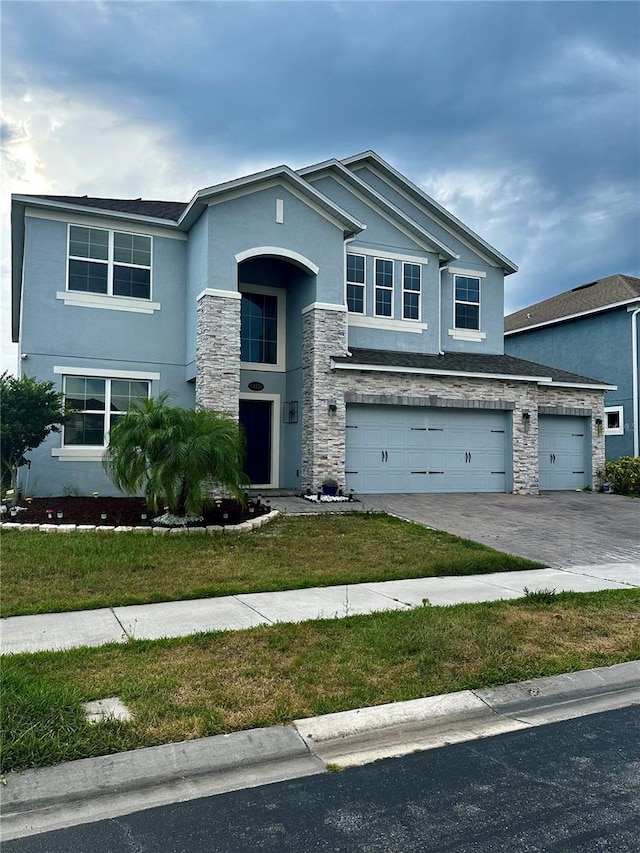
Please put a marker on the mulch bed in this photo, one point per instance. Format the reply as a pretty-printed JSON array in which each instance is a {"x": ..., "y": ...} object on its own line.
[{"x": 119, "y": 511}]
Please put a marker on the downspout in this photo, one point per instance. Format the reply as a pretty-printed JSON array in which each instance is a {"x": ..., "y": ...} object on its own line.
[
  {"x": 442, "y": 268},
  {"x": 634, "y": 372},
  {"x": 348, "y": 240}
]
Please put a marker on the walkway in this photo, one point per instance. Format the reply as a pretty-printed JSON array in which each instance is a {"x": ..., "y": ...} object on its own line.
[{"x": 55, "y": 631}]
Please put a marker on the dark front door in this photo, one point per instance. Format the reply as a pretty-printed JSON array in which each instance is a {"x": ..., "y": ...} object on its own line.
[{"x": 255, "y": 417}]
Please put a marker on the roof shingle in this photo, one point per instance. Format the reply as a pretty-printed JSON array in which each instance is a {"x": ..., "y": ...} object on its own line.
[
  {"x": 597, "y": 295},
  {"x": 462, "y": 363},
  {"x": 157, "y": 209}
]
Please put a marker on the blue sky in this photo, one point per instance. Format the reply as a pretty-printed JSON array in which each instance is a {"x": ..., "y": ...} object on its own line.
[{"x": 522, "y": 118}]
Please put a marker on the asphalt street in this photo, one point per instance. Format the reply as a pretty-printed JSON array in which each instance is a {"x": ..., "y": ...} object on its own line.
[{"x": 568, "y": 787}]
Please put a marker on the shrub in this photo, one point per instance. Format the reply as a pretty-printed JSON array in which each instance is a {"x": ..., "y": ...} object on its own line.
[{"x": 623, "y": 475}]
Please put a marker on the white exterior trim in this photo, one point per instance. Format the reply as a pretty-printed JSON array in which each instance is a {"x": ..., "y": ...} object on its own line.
[
  {"x": 101, "y": 373},
  {"x": 275, "y": 435},
  {"x": 468, "y": 273},
  {"x": 83, "y": 299},
  {"x": 281, "y": 345},
  {"x": 393, "y": 256},
  {"x": 386, "y": 323},
  {"x": 541, "y": 380},
  {"x": 471, "y": 335},
  {"x": 78, "y": 454},
  {"x": 579, "y": 385},
  {"x": 129, "y": 223},
  {"x": 577, "y": 315},
  {"x": 278, "y": 252},
  {"x": 280, "y": 211},
  {"x": 618, "y": 430},
  {"x": 225, "y": 294},
  {"x": 324, "y": 306}
]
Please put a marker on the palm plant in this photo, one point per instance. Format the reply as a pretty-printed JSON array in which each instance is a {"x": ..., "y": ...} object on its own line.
[{"x": 175, "y": 455}]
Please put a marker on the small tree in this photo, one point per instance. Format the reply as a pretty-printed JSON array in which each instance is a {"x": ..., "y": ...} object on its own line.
[
  {"x": 175, "y": 455},
  {"x": 31, "y": 410}
]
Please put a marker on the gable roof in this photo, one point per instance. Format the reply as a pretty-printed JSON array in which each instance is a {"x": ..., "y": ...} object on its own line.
[
  {"x": 464, "y": 364},
  {"x": 375, "y": 200},
  {"x": 279, "y": 174},
  {"x": 421, "y": 199},
  {"x": 592, "y": 298}
]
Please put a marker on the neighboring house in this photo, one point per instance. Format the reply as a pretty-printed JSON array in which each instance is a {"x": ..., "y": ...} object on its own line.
[
  {"x": 591, "y": 329},
  {"x": 353, "y": 325}
]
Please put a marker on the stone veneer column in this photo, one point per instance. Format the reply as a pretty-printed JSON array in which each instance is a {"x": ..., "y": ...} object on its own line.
[
  {"x": 526, "y": 475},
  {"x": 218, "y": 351},
  {"x": 324, "y": 334}
]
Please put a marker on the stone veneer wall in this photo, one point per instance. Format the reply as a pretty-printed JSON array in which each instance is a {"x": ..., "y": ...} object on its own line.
[
  {"x": 324, "y": 333},
  {"x": 410, "y": 389},
  {"x": 218, "y": 352}
]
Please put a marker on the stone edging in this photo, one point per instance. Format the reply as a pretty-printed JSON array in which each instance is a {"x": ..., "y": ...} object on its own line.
[{"x": 243, "y": 527}]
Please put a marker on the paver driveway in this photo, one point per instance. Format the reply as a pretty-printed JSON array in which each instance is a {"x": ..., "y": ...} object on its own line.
[{"x": 557, "y": 528}]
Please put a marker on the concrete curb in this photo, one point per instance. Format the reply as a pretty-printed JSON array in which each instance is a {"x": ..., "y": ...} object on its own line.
[{"x": 95, "y": 788}]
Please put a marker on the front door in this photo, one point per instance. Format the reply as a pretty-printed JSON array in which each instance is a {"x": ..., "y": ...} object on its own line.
[{"x": 256, "y": 419}]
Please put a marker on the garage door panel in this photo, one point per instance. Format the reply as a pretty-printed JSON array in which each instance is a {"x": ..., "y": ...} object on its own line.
[
  {"x": 425, "y": 450},
  {"x": 562, "y": 443}
]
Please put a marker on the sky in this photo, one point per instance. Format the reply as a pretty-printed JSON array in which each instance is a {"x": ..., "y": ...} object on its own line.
[{"x": 521, "y": 118}]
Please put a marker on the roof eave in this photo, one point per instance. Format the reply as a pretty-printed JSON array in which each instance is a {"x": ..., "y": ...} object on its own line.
[
  {"x": 507, "y": 265},
  {"x": 49, "y": 204}
]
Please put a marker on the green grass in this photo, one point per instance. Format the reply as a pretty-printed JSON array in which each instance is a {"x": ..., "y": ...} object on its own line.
[
  {"x": 223, "y": 682},
  {"x": 44, "y": 573}
]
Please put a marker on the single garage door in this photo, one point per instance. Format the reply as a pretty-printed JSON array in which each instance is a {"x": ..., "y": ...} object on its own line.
[
  {"x": 562, "y": 452},
  {"x": 406, "y": 449}
]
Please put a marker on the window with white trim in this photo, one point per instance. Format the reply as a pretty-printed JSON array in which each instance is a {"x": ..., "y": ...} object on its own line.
[
  {"x": 355, "y": 283},
  {"x": 411, "y": 287},
  {"x": 614, "y": 420},
  {"x": 383, "y": 296},
  {"x": 466, "y": 302},
  {"x": 114, "y": 263},
  {"x": 97, "y": 404}
]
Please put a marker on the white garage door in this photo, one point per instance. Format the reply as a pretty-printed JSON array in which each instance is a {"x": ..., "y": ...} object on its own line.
[
  {"x": 405, "y": 449},
  {"x": 562, "y": 452}
]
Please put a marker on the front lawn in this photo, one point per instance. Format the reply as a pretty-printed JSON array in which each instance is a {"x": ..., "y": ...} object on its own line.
[
  {"x": 223, "y": 682},
  {"x": 44, "y": 572}
]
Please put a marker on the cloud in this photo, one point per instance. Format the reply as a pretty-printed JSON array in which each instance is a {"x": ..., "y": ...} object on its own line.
[{"x": 522, "y": 118}]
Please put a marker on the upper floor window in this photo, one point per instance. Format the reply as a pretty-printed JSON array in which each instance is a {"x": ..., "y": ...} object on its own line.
[
  {"x": 98, "y": 404},
  {"x": 114, "y": 263},
  {"x": 355, "y": 283},
  {"x": 383, "y": 297},
  {"x": 467, "y": 302},
  {"x": 411, "y": 286}
]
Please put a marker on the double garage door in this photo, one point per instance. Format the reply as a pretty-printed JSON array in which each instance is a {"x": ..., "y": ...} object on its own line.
[{"x": 405, "y": 449}]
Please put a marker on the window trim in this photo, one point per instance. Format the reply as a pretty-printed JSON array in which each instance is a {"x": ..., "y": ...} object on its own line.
[
  {"x": 461, "y": 329},
  {"x": 94, "y": 452},
  {"x": 362, "y": 284},
  {"x": 417, "y": 319},
  {"x": 377, "y": 286},
  {"x": 110, "y": 263},
  {"x": 281, "y": 347},
  {"x": 619, "y": 430}
]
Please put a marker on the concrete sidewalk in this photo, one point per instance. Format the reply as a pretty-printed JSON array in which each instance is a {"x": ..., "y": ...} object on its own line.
[{"x": 56, "y": 631}]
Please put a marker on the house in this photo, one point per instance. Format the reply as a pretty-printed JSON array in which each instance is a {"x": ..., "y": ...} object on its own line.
[
  {"x": 591, "y": 329},
  {"x": 351, "y": 323}
]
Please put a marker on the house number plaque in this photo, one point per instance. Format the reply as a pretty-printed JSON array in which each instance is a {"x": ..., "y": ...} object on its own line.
[{"x": 255, "y": 386}]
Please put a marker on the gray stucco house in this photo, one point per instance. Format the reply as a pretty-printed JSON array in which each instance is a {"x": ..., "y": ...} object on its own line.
[
  {"x": 592, "y": 329},
  {"x": 353, "y": 325}
]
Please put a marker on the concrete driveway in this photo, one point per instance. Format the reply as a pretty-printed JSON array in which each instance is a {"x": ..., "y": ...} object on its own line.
[{"x": 557, "y": 528}]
